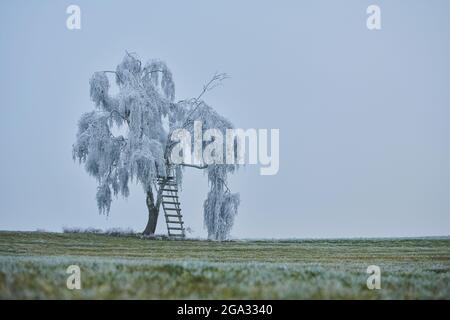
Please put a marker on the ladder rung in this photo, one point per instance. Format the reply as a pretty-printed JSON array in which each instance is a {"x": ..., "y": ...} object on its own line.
[
  {"x": 171, "y": 202},
  {"x": 168, "y": 178},
  {"x": 170, "y": 184},
  {"x": 170, "y": 228},
  {"x": 171, "y": 221},
  {"x": 173, "y": 209},
  {"x": 173, "y": 190},
  {"x": 169, "y": 196},
  {"x": 177, "y": 235},
  {"x": 174, "y": 215}
]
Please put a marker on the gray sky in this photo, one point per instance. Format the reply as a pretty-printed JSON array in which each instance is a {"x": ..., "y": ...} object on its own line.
[{"x": 363, "y": 115}]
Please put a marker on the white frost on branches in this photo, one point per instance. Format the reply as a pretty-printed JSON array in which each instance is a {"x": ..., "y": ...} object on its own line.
[
  {"x": 146, "y": 97},
  {"x": 221, "y": 205}
]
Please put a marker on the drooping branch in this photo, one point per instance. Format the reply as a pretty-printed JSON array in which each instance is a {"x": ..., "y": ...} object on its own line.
[
  {"x": 143, "y": 75},
  {"x": 110, "y": 71},
  {"x": 225, "y": 184},
  {"x": 120, "y": 115},
  {"x": 130, "y": 54},
  {"x": 151, "y": 71}
]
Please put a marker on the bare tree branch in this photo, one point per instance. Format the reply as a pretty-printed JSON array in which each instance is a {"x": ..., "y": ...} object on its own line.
[
  {"x": 151, "y": 71},
  {"x": 109, "y": 71},
  {"x": 215, "y": 81},
  {"x": 193, "y": 166}
]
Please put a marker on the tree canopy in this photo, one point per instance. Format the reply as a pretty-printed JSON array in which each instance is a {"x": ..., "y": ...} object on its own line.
[{"x": 127, "y": 137}]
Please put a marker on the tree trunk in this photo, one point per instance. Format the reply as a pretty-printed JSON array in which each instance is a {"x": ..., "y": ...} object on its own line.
[{"x": 153, "y": 213}]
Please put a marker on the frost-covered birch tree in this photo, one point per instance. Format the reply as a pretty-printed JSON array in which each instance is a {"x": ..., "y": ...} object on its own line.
[{"x": 127, "y": 137}]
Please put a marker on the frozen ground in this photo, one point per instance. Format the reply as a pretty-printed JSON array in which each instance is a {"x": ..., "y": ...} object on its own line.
[{"x": 33, "y": 265}]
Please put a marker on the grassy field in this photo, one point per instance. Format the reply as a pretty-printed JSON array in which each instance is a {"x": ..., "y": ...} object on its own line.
[{"x": 33, "y": 265}]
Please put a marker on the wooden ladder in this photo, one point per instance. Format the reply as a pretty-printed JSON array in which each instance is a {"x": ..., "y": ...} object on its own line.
[{"x": 171, "y": 206}]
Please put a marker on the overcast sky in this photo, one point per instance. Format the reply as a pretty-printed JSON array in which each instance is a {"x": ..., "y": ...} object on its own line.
[{"x": 364, "y": 116}]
